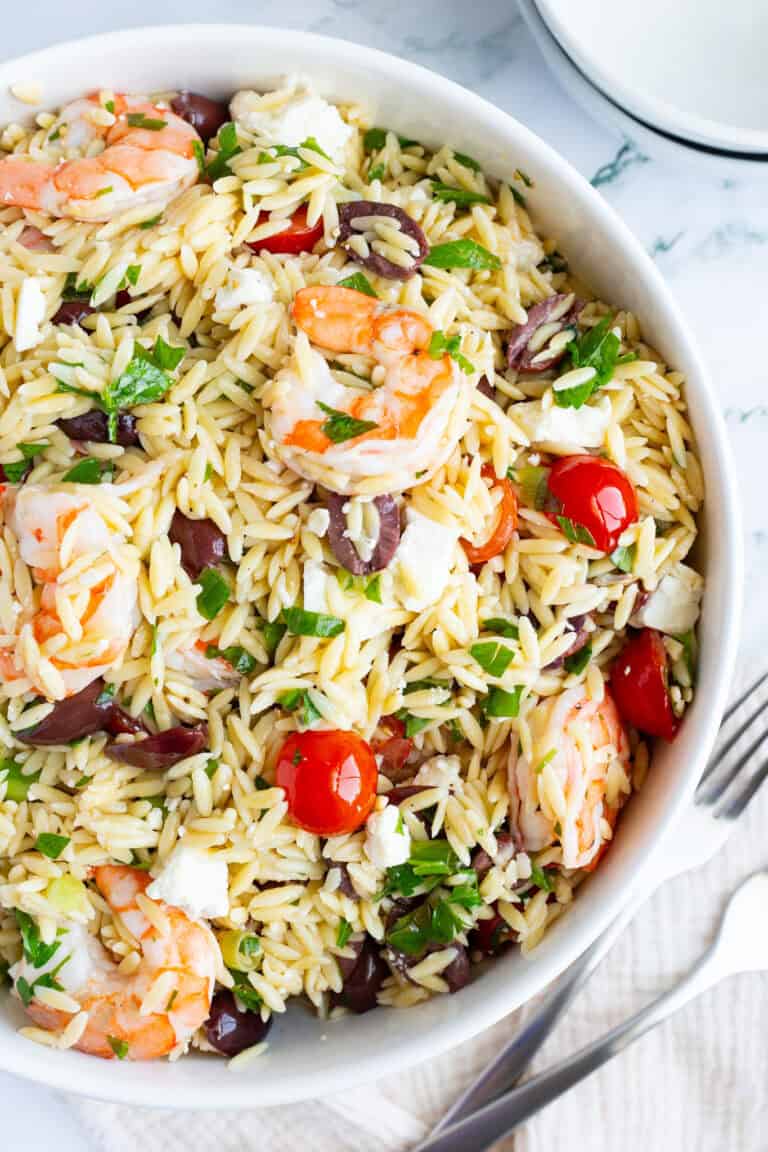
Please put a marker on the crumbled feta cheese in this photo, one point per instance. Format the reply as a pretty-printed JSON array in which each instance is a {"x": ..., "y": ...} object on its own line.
[
  {"x": 318, "y": 521},
  {"x": 244, "y": 286},
  {"x": 387, "y": 840},
  {"x": 85, "y": 958},
  {"x": 583, "y": 427},
  {"x": 423, "y": 561},
  {"x": 315, "y": 594},
  {"x": 30, "y": 314},
  {"x": 307, "y": 116},
  {"x": 674, "y": 606},
  {"x": 195, "y": 881},
  {"x": 439, "y": 772}
]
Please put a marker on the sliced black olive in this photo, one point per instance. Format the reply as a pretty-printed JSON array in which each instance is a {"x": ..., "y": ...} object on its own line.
[
  {"x": 519, "y": 355},
  {"x": 374, "y": 261},
  {"x": 362, "y": 983},
  {"x": 343, "y": 548},
  {"x": 204, "y": 114},
  {"x": 93, "y": 426},
  {"x": 202, "y": 544},
  {"x": 81, "y": 715},
  {"x": 162, "y": 750}
]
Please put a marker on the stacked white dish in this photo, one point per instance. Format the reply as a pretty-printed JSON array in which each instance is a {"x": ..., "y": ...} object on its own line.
[{"x": 683, "y": 81}]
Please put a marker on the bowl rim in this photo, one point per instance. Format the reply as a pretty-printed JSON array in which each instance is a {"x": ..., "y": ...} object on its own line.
[{"x": 81, "y": 1075}]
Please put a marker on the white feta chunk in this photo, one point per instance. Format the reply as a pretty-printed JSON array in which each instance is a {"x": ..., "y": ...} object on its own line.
[
  {"x": 242, "y": 287},
  {"x": 423, "y": 561},
  {"x": 195, "y": 881},
  {"x": 30, "y": 314},
  {"x": 315, "y": 594},
  {"x": 319, "y": 521},
  {"x": 439, "y": 772},
  {"x": 387, "y": 839},
  {"x": 305, "y": 117},
  {"x": 674, "y": 607},
  {"x": 564, "y": 428}
]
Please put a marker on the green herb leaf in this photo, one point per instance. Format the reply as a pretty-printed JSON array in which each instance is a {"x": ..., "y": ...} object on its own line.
[
  {"x": 373, "y": 589},
  {"x": 54, "y": 135},
  {"x": 493, "y": 657},
  {"x": 199, "y": 154},
  {"x": 17, "y": 784},
  {"x": 51, "y": 845},
  {"x": 227, "y": 149},
  {"x": 502, "y": 705},
  {"x": 249, "y": 946},
  {"x": 413, "y": 724},
  {"x": 596, "y": 348},
  {"x": 25, "y": 991},
  {"x": 624, "y": 557},
  {"x": 462, "y": 254},
  {"x": 132, "y": 273},
  {"x": 376, "y": 172},
  {"x": 576, "y": 533},
  {"x": 375, "y": 139},
  {"x": 518, "y": 197},
  {"x": 433, "y": 858},
  {"x": 553, "y": 262},
  {"x": 142, "y": 382},
  {"x": 212, "y": 767},
  {"x": 139, "y": 120},
  {"x": 273, "y": 631},
  {"x": 75, "y": 291},
  {"x": 166, "y": 356},
  {"x": 156, "y": 219},
  {"x": 240, "y": 660},
  {"x": 110, "y": 106},
  {"x": 461, "y": 196},
  {"x": 245, "y": 991},
  {"x": 467, "y": 161},
  {"x": 578, "y": 661},
  {"x": 430, "y": 923},
  {"x": 541, "y": 878},
  {"x": 15, "y": 470},
  {"x": 300, "y": 622},
  {"x": 442, "y": 345},
  {"x": 103, "y": 191},
  {"x": 35, "y": 950},
  {"x": 501, "y": 627},
  {"x": 358, "y": 283},
  {"x": 534, "y": 487},
  {"x": 340, "y": 426},
  {"x": 86, "y": 471},
  {"x": 546, "y": 760},
  {"x": 213, "y": 594},
  {"x": 119, "y": 1047},
  {"x": 523, "y": 177},
  {"x": 343, "y": 933},
  {"x": 370, "y": 588},
  {"x": 299, "y": 701},
  {"x": 95, "y": 396},
  {"x": 688, "y": 641}
]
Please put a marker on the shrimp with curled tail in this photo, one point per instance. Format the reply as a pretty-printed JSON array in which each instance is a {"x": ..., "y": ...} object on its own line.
[
  {"x": 366, "y": 441},
  {"x": 83, "y": 608},
  {"x": 144, "y": 1015},
  {"x": 148, "y": 155},
  {"x": 575, "y": 778}
]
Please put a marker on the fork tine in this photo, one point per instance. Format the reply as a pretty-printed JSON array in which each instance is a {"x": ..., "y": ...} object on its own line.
[
  {"x": 717, "y": 788},
  {"x": 743, "y": 698},
  {"x": 736, "y": 806},
  {"x": 722, "y": 750}
]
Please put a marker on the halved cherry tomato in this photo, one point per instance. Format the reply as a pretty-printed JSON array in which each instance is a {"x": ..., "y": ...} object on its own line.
[
  {"x": 639, "y": 685},
  {"x": 297, "y": 237},
  {"x": 506, "y": 521},
  {"x": 595, "y": 495},
  {"x": 329, "y": 780}
]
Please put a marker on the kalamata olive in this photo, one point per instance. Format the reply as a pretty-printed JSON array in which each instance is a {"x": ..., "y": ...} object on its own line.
[
  {"x": 119, "y": 722},
  {"x": 555, "y": 309},
  {"x": 343, "y": 548},
  {"x": 576, "y": 627},
  {"x": 94, "y": 426},
  {"x": 345, "y": 883},
  {"x": 393, "y": 755},
  {"x": 403, "y": 792},
  {"x": 506, "y": 848},
  {"x": 80, "y": 715},
  {"x": 229, "y": 1030},
  {"x": 347, "y": 964},
  {"x": 484, "y": 385},
  {"x": 205, "y": 115},
  {"x": 72, "y": 312},
  {"x": 202, "y": 544},
  {"x": 350, "y": 213},
  {"x": 456, "y": 975},
  {"x": 34, "y": 240},
  {"x": 491, "y": 935},
  {"x": 162, "y": 750},
  {"x": 361, "y": 986}
]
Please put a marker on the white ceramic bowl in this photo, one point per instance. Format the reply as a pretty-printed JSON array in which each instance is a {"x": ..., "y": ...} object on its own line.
[
  {"x": 307, "y": 1058},
  {"x": 668, "y": 146}
]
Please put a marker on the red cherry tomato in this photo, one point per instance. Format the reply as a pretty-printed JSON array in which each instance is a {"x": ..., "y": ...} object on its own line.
[
  {"x": 297, "y": 237},
  {"x": 639, "y": 685},
  {"x": 329, "y": 780},
  {"x": 593, "y": 494},
  {"x": 506, "y": 521}
]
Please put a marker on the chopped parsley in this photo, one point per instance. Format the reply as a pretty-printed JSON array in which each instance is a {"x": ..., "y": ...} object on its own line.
[
  {"x": 199, "y": 153},
  {"x": 151, "y": 222},
  {"x": 340, "y": 426},
  {"x": 227, "y": 149},
  {"x": 240, "y": 660},
  {"x": 244, "y": 991},
  {"x": 213, "y": 594},
  {"x": 462, "y": 254},
  {"x": 343, "y": 933},
  {"x": 369, "y": 587},
  {"x": 442, "y": 345},
  {"x": 86, "y": 471},
  {"x": 51, "y": 845},
  {"x": 577, "y": 661},
  {"x": 358, "y": 282},
  {"x": 375, "y": 139},
  {"x": 35, "y": 951},
  {"x": 576, "y": 533},
  {"x": 467, "y": 161},
  {"x": 139, "y": 120},
  {"x": 596, "y": 348},
  {"x": 541, "y": 878},
  {"x": 300, "y": 622},
  {"x": 299, "y": 701},
  {"x": 624, "y": 557},
  {"x": 499, "y": 704},
  {"x": 145, "y": 379},
  {"x": 377, "y": 172},
  {"x": 16, "y": 469},
  {"x": 461, "y": 196},
  {"x": 119, "y": 1047},
  {"x": 500, "y": 627}
]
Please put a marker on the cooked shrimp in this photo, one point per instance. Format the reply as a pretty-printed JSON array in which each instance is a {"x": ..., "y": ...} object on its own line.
[
  {"x": 573, "y": 782},
  {"x": 411, "y": 422},
  {"x": 86, "y": 609},
  {"x": 148, "y": 156},
  {"x": 208, "y": 673},
  {"x": 145, "y": 1014}
]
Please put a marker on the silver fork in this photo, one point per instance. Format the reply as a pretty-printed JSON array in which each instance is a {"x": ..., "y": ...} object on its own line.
[{"x": 723, "y": 793}]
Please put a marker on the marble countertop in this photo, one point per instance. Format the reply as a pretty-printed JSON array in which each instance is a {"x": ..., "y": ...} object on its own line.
[{"x": 708, "y": 234}]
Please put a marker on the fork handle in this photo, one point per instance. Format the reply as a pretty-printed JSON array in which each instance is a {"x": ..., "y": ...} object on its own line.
[{"x": 482, "y": 1129}]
